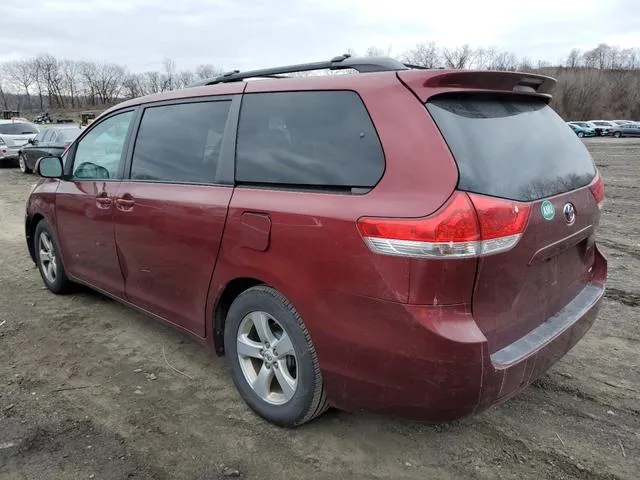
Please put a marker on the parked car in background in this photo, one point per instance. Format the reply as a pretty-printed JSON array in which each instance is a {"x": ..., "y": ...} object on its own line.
[
  {"x": 598, "y": 130},
  {"x": 582, "y": 131},
  {"x": 627, "y": 130},
  {"x": 622, "y": 122},
  {"x": 51, "y": 141},
  {"x": 605, "y": 126},
  {"x": 396, "y": 241},
  {"x": 14, "y": 136}
]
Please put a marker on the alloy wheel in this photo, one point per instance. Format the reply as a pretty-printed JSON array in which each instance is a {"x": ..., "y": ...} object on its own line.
[
  {"x": 267, "y": 358},
  {"x": 47, "y": 255}
]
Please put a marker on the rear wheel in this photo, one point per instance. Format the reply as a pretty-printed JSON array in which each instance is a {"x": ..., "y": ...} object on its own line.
[
  {"x": 272, "y": 359},
  {"x": 48, "y": 260},
  {"x": 22, "y": 164},
  {"x": 617, "y": 134}
]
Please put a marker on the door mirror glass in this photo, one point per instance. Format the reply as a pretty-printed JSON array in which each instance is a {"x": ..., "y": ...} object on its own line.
[{"x": 49, "y": 167}]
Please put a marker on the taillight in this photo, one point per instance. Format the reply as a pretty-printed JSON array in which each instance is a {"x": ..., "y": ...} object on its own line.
[
  {"x": 468, "y": 225},
  {"x": 597, "y": 190}
]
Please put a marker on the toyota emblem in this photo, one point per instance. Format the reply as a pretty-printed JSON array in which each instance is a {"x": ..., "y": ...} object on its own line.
[{"x": 569, "y": 212}]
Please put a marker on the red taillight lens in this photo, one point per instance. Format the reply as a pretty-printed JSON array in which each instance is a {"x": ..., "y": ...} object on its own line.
[
  {"x": 500, "y": 218},
  {"x": 454, "y": 222},
  {"x": 597, "y": 189},
  {"x": 467, "y": 225}
]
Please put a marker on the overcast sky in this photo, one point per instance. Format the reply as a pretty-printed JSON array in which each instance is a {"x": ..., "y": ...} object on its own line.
[{"x": 257, "y": 33}]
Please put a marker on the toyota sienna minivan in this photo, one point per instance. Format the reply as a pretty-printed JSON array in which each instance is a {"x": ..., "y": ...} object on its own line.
[{"x": 397, "y": 240}]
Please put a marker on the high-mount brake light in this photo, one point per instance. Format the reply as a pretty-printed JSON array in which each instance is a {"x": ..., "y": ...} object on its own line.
[{"x": 468, "y": 225}]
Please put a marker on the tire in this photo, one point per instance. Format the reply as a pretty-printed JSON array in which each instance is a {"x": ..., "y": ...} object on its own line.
[
  {"x": 22, "y": 164},
  {"x": 617, "y": 134},
  {"x": 580, "y": 134},
  {"x": 48, "y": 260},
  {"x": 278, "y": 320}
]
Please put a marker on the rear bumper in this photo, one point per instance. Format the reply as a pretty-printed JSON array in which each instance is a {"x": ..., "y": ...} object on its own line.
[{"x": 433, "y": 363}]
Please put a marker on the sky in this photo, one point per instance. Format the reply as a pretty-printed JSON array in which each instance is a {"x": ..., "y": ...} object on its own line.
[{"x": 246, "y": 34}]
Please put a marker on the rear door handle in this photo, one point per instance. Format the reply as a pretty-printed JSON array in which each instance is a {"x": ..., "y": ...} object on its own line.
[{"x": 125, "y": 203}]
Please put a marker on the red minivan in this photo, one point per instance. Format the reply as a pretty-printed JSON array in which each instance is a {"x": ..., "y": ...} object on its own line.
[{"x": 398, "y": 240}]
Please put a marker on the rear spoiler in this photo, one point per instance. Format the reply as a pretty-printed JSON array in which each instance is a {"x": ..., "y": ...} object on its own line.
[{"x": 426, "y": 84}]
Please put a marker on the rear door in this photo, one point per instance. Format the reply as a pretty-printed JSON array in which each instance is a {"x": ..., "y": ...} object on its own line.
[
  {"x": 171, "y": 211},
  {"x": 518, "y": 149}
]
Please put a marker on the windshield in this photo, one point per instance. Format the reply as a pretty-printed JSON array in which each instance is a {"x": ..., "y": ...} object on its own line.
[
  {"x": 18, "y": 129},
  {"x": 511, "y": 148}
]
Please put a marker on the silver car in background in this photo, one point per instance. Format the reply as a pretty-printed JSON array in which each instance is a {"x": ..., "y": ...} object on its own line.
[{"x": 13, "y": 136}]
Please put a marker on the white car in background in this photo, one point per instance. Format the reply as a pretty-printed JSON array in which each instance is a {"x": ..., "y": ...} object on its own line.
[
  {"x": 603, "y": 127},
  {"x": 13, "y": 136}
]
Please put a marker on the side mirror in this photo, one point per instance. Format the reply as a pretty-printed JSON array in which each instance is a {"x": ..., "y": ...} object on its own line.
[
  {"x": 31, "y": 141},
  {"x": 49, "y": 167}
]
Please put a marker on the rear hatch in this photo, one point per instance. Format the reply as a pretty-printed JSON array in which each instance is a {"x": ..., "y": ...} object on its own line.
[
  {"x": 17, "y": 134},
  {"x": 517, "y": 149}
]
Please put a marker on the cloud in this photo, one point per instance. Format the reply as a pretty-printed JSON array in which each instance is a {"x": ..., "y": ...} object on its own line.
[{"x": 257, "y": 33}]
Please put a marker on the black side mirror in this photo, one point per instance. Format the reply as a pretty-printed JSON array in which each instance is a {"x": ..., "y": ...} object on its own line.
[
  {"x": 32, "y": 141},
  {"x": 49, "y": 167}
]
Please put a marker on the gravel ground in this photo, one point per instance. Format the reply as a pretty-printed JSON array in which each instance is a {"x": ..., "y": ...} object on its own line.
[{"x": 86, "y": 390}]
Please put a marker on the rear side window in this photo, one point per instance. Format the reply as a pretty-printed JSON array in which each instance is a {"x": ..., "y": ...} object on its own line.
[
  {"x": 511, "y": 148},
  {"x": 307, "y": 139},
  {"x": 180, "y": 143}
]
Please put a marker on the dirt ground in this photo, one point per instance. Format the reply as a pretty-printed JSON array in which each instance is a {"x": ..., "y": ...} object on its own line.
[{"x": 86, "y": 390}]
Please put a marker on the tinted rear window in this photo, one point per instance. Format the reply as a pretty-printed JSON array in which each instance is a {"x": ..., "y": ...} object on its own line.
[
  {"x": 516, "y": 149},
  {"x": 17, "y": 129},
  {"x": 307, "y": 139},
  {"x": 180, "y": 143}
]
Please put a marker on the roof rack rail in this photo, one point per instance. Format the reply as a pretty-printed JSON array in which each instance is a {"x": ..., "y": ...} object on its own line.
[{"x": 341, "y": 62}]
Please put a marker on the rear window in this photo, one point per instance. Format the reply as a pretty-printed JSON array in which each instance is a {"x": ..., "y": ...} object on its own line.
[
  {"x": 320, "y": 139},
  {"x": 511, "y": 148},
  {"x": 17, "y": 129}
]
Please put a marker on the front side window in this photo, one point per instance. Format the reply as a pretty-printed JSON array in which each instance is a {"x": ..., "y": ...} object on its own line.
[
  {"x": 98, "y": 154},
  {"x": 180, "y": 143},
  {"x": 320, "y": 139}
]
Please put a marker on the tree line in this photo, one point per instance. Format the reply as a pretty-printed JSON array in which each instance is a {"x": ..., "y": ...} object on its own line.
[{"x": 603, "y": 82}]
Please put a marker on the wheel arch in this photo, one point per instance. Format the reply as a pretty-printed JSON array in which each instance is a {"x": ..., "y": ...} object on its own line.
[
  {"x": 30, "y": 228},
  {"x": 228, "y": 294}
]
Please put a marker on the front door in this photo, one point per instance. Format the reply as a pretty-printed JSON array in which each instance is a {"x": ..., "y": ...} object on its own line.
[
  {"x": 85, "y": 205},
  {"x": 170, "y": 214}
]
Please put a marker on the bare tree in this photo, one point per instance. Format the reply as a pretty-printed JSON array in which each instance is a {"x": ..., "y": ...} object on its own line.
[
  {"x": 206, "y": 71},
  {"x": 424, "y": 55},
  {"x": 70, "y": 79},
  {"x": 22, "y": 74},
  {"x": 459, "y": 57},
  {"x": 574, "y": 59}
]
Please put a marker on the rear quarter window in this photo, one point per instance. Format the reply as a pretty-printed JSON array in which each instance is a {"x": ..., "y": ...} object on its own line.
[
  {"x": 307, "y": 139},
  {"x": 515, "y": 148}
]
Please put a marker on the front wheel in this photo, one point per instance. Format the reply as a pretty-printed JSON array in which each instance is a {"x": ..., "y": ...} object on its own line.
[
  {"x": 272, "y": 360},
  {"x": 22, "y": 164},
  {"x": 617, "y": 134},
  {"x": 48, "y": 260},
  {"x": 580, "y": 134}
]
